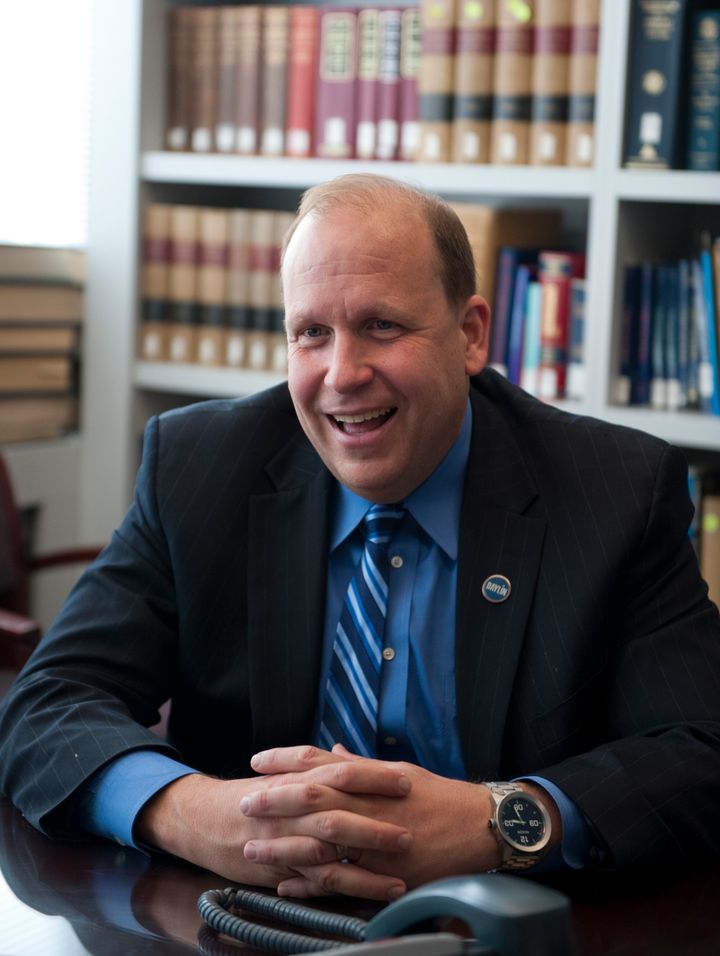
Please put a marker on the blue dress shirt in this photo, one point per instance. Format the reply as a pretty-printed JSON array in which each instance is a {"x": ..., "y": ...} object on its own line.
[{"x": 417, "y": 704}]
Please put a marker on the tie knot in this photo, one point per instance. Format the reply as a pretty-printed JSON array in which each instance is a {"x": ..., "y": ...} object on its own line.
[{"x": 381, "y": 522}]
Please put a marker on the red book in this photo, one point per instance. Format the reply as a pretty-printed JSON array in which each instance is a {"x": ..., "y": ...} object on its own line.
[
  {"x": 368, "y": 25},
  {"x": 302, "y": 69},
  {"x": 248, "y": 91},
  {"x": 410, "y": 54},
  {"x": 388, "y": 100},
  {"x": 555, "y": 272},
  {"x": 180, "y": 31},
  {"x": 337, "y": 72}
]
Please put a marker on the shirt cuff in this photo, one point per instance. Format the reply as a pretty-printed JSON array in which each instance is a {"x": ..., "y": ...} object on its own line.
[
  {"x": 580, "y": 846},
  {"x": 109, "y": 802}
]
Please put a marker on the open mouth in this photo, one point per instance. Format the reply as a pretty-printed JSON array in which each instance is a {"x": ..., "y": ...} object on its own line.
[{"x": 363, "y": 422}]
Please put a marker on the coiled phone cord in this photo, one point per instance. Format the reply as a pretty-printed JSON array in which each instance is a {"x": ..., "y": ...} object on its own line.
[{"x": 215, "y": 905}]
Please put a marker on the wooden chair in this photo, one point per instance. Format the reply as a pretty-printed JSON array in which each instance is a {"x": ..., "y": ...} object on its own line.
[{"x": 19, "y": 632}]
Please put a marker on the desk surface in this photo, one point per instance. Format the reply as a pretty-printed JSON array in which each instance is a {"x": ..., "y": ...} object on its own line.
[{"x": 71, "y": 899}]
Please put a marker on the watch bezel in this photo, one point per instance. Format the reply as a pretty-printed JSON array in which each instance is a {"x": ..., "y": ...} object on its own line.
[{"x": 521, "y": 848}]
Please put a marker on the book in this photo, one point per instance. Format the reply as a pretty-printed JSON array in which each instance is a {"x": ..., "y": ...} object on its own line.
[
  {"x": 24, "y": 418},
  {"x": 659, "y": 334},
  {"x": 710, "y": 544},
  {"x": 410, "y": 55},
  {"x": 582, "y": 83},
  {"x": 473, "y": 82},
  {"x": 227, "y": 80},
  {"x": 368, "y": 68},
  {"x": 642, "y": 365},
  {"x": 182, "y": 283},
  {"x": 516, "y": 339},
  {"x": 212, "y": 281},
  {"x": 154, "y": 277},
  {"x": 388, "y": 85},
  {"x": 54, "y": 264},
  {"x": 655, "y": 79},
  {"x": 555, "y": 272},
  {"x": 203, "y": 73},
  {"x": 273, "y": 80},
  {"x": 685, "y": 338},
  {"x": 38, "y": 339},
  {"x": 435, "y": 79},
  {"x": 550, "y": 82},
  {"x": 335, "y": 117},
  {"x": 627, "y": 340},
  {"x": 28, "y": 301},
  {"x": 674, "y": 392},
  {"x": 263, "y": 267},
  {"x": 711, "y": 327},
  {"x": 576, "y": 384},
  {"x": 238, "y": 282},
  {"x": 531, "y": 341},
  {"x": 28, "y": 374},
  {"x": 277, "y": 340},
  {"x": 509, "y": 259},
  {"x": 247, "y": 102},
  {"x": 703, "y": 139},
  {"x": 512, "y": 84},
  {"x": 302, "y": 67},
  {"x": 179, "y": 79}
]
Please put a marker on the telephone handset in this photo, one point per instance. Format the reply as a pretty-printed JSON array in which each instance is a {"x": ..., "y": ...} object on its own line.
[{"x": 505, "y": 916}]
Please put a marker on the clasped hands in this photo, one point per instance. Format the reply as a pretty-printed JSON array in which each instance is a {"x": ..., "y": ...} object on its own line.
[{"x": 395, "y": 825}]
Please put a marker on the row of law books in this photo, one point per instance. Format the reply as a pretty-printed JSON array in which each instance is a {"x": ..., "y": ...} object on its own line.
[
  {"x": 41, "y": 318},
  {"x": 538, "y": 329},
  {"x": 668, "y": 354},
  {"x": 673, "y": 106},
  {"x": 444, "y": 81},
  {"x": 704, "y": 486}
]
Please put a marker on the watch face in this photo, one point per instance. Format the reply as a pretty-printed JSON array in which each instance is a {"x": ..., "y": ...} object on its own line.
[{"x": 522, "y": 821}]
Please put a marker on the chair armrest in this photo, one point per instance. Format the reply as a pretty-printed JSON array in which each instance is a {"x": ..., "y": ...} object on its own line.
[
  {"x": 19, "y": 636},
  {"x": 67, "y": 556}
]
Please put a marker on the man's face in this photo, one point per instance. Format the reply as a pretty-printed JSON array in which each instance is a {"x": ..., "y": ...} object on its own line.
[{"x": 378, "y": 359}]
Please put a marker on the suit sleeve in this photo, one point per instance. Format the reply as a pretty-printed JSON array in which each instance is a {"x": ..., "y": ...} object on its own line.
[
  {"x": 652, "y": 792},
  {"x": 94, "y": 685}
]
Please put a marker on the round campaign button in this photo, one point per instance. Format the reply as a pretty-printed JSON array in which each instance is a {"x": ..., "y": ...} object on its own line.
[{"x": 496, "y": 588}]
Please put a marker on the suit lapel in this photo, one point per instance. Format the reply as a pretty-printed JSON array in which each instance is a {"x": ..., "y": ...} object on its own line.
[
  {"x": 287, "y": 571},
  {"x": 496, "y": 537}
]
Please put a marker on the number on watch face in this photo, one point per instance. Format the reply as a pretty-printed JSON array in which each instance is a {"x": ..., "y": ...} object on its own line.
[{"x": 521, "y": 821}]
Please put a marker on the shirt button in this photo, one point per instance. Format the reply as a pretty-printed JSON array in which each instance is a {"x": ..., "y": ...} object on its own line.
[
  {"x": 396, "y": 561},
  {"x": 391, "y": 741},
  {"x": 388, "y": 653}
]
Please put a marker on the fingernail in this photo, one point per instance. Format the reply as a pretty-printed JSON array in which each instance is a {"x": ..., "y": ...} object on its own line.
[
  {"x": 404, "y": 840},
  {"x": 250, "y": 851},
  {"x": 404, "y": 784},
  {"x": 395, "y": 892},
  {"x": 245, "y": 804},
  {"x": 257, "y": 760}
]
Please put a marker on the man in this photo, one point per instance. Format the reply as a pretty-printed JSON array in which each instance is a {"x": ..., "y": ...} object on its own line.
[{"x": 546, "y": 625}]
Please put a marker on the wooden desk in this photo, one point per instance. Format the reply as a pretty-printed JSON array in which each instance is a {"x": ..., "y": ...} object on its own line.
[{"x": 79, "y": 898}]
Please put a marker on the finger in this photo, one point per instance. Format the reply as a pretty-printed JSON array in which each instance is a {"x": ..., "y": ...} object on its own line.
[
  {"x": 345, "y": 828},
  {"x": 291, "y": 759},
  {"x": 344, "y": 878},
  {"x": 358, "y": 775},
  {"x": 290, "y": 851},
  {"x": 341, "y": 751}
]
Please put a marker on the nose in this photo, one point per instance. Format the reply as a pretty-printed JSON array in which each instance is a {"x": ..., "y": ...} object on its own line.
[{"x": 349, "y": 364}]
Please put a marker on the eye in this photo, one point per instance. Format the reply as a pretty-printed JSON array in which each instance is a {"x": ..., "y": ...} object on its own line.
[{"x": 384, "y": 325}]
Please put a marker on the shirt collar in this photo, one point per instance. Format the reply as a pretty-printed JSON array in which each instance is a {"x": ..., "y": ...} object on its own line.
[{"x": 435, "y": 504}]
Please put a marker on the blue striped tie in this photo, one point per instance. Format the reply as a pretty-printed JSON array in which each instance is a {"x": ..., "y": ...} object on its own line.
[{"x": 351, "y": 694}]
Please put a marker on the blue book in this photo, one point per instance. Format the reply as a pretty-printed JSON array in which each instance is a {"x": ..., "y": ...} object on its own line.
[
  {"x": 531, "y": 342},
  {"x": 642, "y": 368},
  {"x": 703, "y": 137},
  {"x": 509, "y": 258},
  {"x": 575, "y": 387},
  {"x": 683, "y": 333},
  {"x": 517, "y": 321},
  {"x": 708, "y": 290},
  {"x": 672, "y": 339},
  {"x": 706, "y": 383},
  {"x": 658, "y": 374},
  {"x": 629, "y": 321}
]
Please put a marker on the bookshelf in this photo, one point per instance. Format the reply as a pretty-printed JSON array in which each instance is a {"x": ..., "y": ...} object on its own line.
[{"x": 619, "y": 212}]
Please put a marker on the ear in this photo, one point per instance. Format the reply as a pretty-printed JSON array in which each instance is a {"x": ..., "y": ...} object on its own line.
[{"x": 476, "y": 328}]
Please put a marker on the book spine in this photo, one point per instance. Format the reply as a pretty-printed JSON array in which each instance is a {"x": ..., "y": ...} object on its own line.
[
  {"x": 683, "y": 333},
  {"x": 227, "y": 62},
  {"x": 550, "y": 80},
  {"x": 629, "y": 324},
  {"x": 156, "y": 252},
  {"x": 473, "y": 84},
  {"x": 179, "y": 78},
  {"x": 273, "y": 84},
  {"x": 388, "y": 89},
  {"x": 262, "y": 271},
  {"x": 576, "y": 385},
  {"x": 335, "y": 96},
  {"x": 706, "y": 376},
  {"x": 277, "y": 344},
  {"x": 203, "y": 78},
  {"x": 35, "y": 374},
  {"x": 555, "y": 271},
  {"x": 672, "y": 339},
  {"x": 182, "y": 283},
  {"x": 238, "y": 288},
  {"x": 368, "y": 26},
  {"x": 642, "y": 366},
  {"x": 582, "y": 83},
  {"x": 508, "y": 259},
  {"x": 531, "y": 342},
  {"x": 516, "y": 337},
  {"x": 249, "y": 37},
  {"x": 410, "y": 56},
  {"x": 658, "y": 374},
  {"x": 655, "y": 79},
  {"x": 512, "y": 85},
  {"x": 301, "y": 81},
  {"x": 708, "y": 294},
  {"x": 435, "y": 80},
  {"x": 212, "y": 275},
  {"x": 703, "y": 147}
]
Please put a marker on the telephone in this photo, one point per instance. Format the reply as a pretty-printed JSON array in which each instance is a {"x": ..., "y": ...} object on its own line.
[{"x": 505, "y": 915}]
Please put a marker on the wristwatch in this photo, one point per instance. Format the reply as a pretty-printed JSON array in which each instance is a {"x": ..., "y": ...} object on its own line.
[{"x": 521, "y": 825}]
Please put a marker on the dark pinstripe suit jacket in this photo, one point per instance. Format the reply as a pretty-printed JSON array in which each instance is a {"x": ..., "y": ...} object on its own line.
[{"x": 602, "y": 670}]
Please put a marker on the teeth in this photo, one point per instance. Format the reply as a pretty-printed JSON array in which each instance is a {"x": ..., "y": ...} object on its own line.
[{"x": 365, "y": 417}]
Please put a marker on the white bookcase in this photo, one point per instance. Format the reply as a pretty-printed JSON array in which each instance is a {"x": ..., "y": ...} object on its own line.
[{"x": 620, "y": 213}]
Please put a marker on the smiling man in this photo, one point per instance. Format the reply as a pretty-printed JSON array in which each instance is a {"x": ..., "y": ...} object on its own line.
[{"x": 449, "y": 628}]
